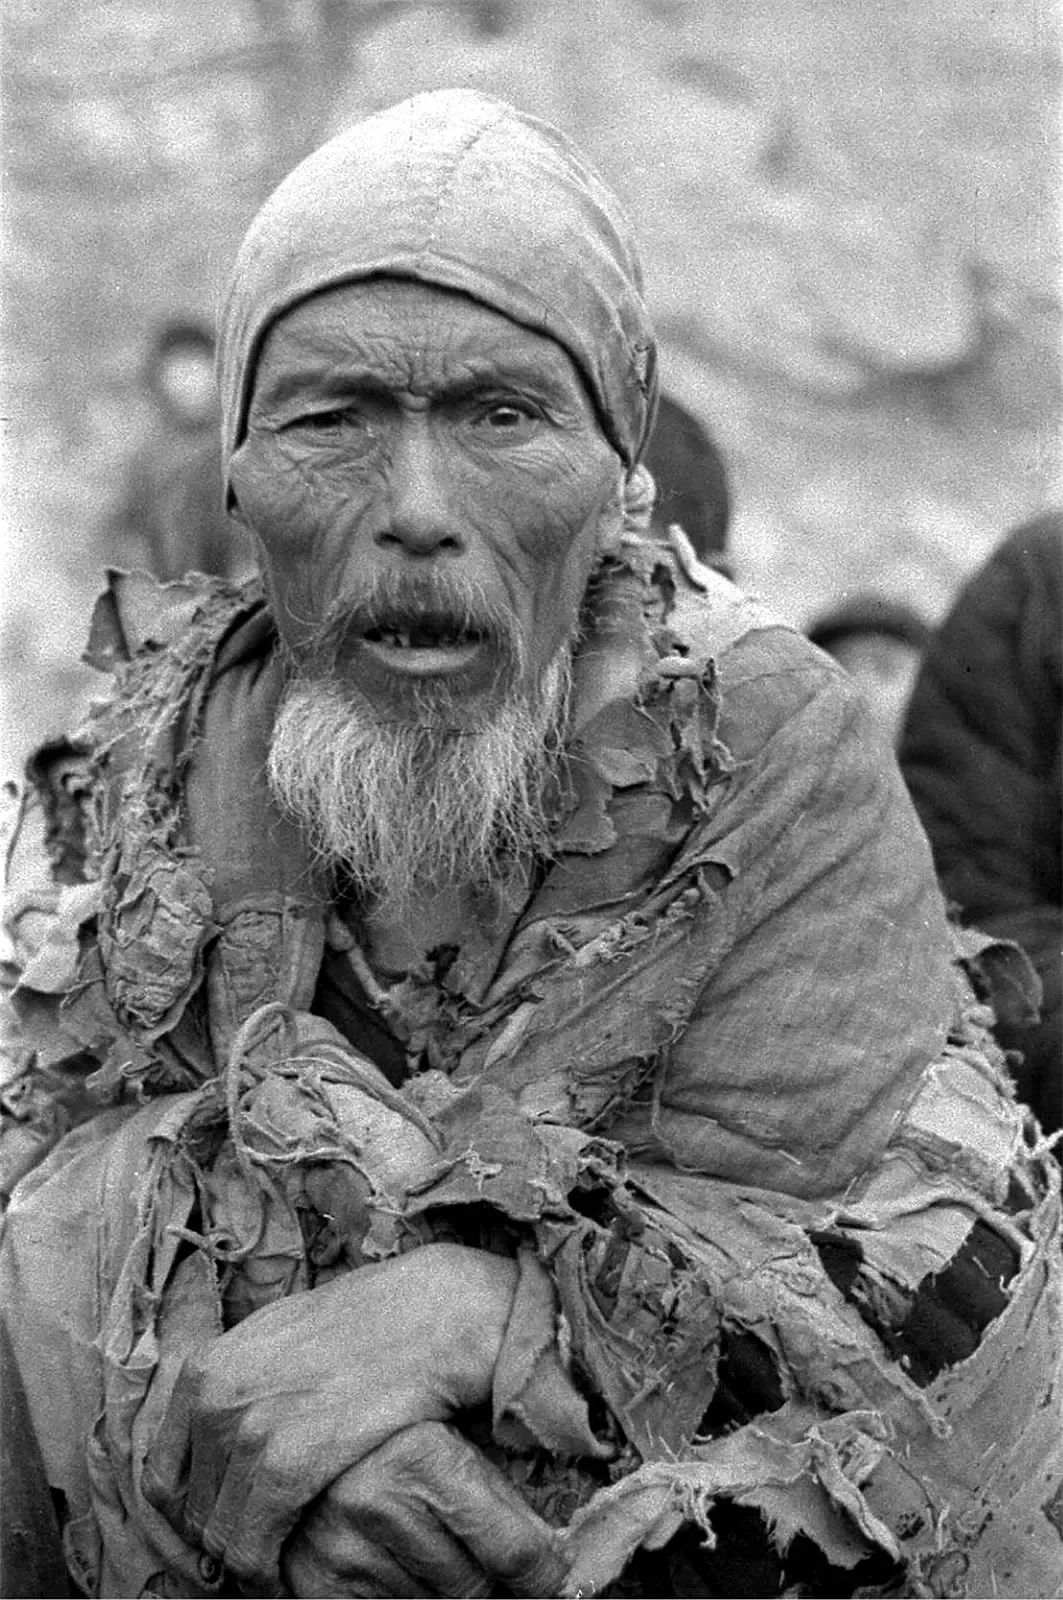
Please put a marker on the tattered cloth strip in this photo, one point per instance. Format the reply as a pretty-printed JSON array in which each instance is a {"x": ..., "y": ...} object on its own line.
[{"x": 741, "y": 1366}]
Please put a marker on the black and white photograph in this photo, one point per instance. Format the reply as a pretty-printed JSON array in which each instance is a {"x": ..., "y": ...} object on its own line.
[{"x": 531, "y": 746}]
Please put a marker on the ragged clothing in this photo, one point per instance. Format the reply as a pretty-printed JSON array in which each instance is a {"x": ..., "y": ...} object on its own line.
[{"x": 718, "y": 1071}]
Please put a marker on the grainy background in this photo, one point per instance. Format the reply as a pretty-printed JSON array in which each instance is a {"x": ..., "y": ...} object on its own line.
[{"x": 850, "y": 213}]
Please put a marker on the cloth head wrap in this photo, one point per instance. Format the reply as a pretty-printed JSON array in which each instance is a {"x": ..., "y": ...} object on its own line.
[{"x": 464, "y": 192}]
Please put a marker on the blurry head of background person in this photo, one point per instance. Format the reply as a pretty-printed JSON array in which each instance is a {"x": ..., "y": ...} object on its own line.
[
  {"x": 179, "y": 374},
  {"x": 691, "y": 481},
  {"x": 880, "y": 643},
  {"x": 169, "y": 516}
]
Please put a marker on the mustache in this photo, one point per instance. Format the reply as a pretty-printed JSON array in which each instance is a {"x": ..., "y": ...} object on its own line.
[{"x": 450, "y": 606}]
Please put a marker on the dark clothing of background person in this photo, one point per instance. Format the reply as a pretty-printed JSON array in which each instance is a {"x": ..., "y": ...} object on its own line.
[
  {"x": 170, "y": 519},
  {"x": 691, "y": 480},
  {"x": 981, "y": 753}
]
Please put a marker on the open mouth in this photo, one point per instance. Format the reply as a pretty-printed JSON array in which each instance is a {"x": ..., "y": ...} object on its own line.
[
  {"x": 422, "y": 636},
  {"x": 424, "y": 646}
]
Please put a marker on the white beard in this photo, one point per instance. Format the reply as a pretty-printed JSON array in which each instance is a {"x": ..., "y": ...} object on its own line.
[{"x": 406, "y": 810}]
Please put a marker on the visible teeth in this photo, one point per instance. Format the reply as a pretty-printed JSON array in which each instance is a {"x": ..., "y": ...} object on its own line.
[{"x": 417, "y": 639}]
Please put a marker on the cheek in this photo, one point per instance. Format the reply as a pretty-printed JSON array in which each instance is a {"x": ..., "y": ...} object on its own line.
[
  {"x": 283, "y": 502},
  {"x": 301, "y": 524},
  {"x": 556, "y": 529}
]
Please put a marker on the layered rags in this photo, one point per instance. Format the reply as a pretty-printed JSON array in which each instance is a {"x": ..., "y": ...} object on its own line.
[{"x": 593, "y": 1080}]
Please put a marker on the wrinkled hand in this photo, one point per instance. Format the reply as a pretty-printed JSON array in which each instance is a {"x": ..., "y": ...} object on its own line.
[
  {"x": 426, "y": 1514},
  {"x": 264, "y": 1418}
]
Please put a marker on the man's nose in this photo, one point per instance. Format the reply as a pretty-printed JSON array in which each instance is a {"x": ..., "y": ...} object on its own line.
[{"x": 421, "y": 513}]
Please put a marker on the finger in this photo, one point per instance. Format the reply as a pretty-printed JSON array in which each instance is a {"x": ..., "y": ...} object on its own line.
[
  {"x": 329, "y": 1558},
  {"x": 260, "y": 1502},
  {"x": 451, "y": 1517},
  {"x": 379, "y": 1505},
  {"x": 504, "y": 1535},
  {"x": 437, "y": 1561}
]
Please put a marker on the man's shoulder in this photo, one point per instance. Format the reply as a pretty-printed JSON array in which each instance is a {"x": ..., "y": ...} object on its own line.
[
  {"x": 164, "y": 645},
  {"x": 716, "y": 618},
  {"x": 764, "y": 670},
  {"x": 136, "y": 616}
]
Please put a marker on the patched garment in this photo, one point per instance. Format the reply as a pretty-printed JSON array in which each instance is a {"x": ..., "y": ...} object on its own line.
[{"x": 719, "y": 1077}]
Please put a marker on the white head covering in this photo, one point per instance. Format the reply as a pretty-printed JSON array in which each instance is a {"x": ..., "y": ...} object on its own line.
[{"x": 464, "y": 192}]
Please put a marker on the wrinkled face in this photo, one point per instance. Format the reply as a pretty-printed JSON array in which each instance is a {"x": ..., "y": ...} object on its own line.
[{"x": 430, "y": 489}]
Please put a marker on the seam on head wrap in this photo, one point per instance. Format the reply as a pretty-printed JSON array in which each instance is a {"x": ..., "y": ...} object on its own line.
[{"x": 446, "y": 188}]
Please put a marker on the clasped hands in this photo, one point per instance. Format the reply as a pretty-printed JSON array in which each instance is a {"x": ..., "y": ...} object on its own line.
[{"x": 309, "y": 1449}]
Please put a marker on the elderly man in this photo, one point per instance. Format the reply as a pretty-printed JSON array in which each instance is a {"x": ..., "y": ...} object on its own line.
[{"x": 527, "y": 1131}]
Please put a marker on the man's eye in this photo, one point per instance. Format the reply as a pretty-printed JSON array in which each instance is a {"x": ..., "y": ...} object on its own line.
[
  {"x": 328, "y": 422},
  {"x": 507, "y": 416}
]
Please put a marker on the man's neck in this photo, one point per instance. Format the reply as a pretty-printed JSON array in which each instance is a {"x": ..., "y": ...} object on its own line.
[
  {"x": 397, "y": 943},
  {"x": 463, "y": 920}
]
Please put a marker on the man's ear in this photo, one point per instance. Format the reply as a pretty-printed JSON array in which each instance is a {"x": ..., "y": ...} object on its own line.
[
  {"x": 236, "y": 515},
  {"x": 233, "y": 508}
]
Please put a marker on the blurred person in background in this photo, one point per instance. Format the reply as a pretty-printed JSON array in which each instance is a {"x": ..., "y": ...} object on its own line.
[
  {"x": 691, "y": 480},
  {"x": 880, "y": 644},
  {"x": 981, "y": 752},
  {"x": 484, "y": 1002},
  {"x": 171, "y": 518}
]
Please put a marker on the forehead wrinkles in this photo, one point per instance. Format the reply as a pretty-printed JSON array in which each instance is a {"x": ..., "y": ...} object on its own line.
[{"x": 409, "y": 337}]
